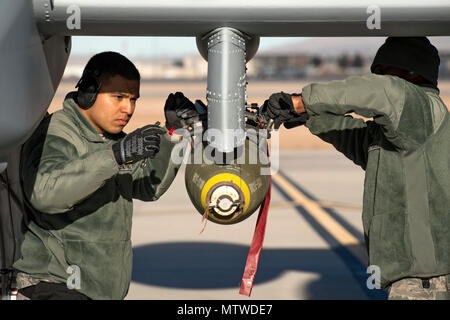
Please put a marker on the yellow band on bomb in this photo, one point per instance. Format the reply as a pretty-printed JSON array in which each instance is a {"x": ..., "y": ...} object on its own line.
[{"x": 226, "y": 177}]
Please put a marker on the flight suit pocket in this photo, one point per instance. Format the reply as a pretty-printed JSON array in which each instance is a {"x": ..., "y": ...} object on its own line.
[
  {"x": 387, "y": 244},
  {"x": 105, "y": 267}
]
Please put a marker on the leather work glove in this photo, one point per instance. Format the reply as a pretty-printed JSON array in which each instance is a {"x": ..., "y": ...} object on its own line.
[
  {"x": 298, "y": 120},
  {"x": 178, "y": 109},
  {"x": 280, "y": 108},
  {"x": 139, "y": 144}
]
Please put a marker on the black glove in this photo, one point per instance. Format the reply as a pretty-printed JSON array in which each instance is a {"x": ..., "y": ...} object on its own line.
[
  {"x": 177, "y": 109},
  {"x": 298, "y": 120},
  {"x": 280, "y": 108},
  {"x": 139, "y": 144}
]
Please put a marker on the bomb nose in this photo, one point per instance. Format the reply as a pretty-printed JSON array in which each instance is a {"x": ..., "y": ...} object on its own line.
[{"x": 227, "y": 193}]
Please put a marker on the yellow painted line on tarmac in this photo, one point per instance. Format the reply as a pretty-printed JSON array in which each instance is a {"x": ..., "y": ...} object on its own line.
[{"x": 344, "y": 237}]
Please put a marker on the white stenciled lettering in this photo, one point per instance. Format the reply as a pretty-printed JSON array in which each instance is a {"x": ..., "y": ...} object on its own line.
[
  {"x": 74, "y": 280},
  {"x": 74, "y": 20},
  {"x": 374, "y": 280},
  {"x": 234, "y": 309},
  {"x": 188, "y": 310},
  {"x": 374, "y": 20}
]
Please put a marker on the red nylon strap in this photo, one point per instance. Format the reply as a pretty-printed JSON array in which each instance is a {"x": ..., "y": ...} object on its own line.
[{"x": 251, "y": 265}]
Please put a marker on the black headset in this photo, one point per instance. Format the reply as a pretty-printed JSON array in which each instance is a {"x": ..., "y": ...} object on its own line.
[{"x": 88, "y": 87}]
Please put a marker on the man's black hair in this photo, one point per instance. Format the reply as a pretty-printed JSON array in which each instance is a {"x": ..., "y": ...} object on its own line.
[
  {"x": 111, "y": 63},
  {"x": 101, "y": 66}
]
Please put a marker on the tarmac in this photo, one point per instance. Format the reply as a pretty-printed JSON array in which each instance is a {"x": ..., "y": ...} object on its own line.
[{"x": 313, "y": 247}]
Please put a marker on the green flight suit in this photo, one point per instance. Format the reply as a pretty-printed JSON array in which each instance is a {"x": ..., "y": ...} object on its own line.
[
  {"x": 405, "y": 152},
  {"x": 81, "y": 202}
]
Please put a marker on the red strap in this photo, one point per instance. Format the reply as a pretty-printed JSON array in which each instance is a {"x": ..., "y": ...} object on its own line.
[{"x": 255, "y": 248}]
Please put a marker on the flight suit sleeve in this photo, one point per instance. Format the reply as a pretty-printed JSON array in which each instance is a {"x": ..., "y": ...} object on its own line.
[
  {"x": 152, "y": 177},
  {"x": 352, "y": 137},
  {"x": 382, "y": 98},
  {"x": 55, "y": 178}
]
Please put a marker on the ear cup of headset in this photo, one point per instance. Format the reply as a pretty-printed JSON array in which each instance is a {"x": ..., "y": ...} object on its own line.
[{"x": 87, "y": 91}]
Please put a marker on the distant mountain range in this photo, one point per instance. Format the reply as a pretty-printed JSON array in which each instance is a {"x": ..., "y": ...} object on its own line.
[{"x": 336, "y": 46}]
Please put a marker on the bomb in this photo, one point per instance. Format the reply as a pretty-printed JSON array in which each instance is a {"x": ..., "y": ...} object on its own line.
[{"x": 229, "y": 191}]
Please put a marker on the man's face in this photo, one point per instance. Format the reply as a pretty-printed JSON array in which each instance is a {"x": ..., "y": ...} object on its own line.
[{"x": 114, "y": 105}]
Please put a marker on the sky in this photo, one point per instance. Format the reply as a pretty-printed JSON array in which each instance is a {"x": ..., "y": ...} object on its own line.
[{"x": 133, "y": 47}]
